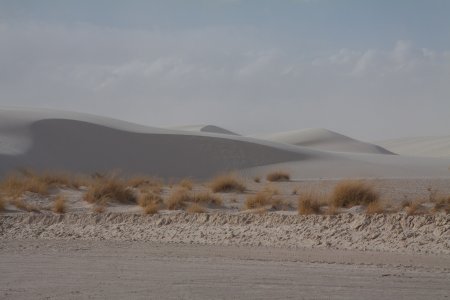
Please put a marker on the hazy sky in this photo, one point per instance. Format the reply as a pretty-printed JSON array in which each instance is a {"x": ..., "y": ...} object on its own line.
[{"x": 369, "y": 69}]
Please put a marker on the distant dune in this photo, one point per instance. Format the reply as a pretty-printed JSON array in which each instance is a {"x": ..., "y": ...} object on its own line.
[
  {"x": 53, "y": 140},
  {"x": 438, "y": 146},
  {"x": 324, "y": 139},
  {"x": 204, "y": 128}
]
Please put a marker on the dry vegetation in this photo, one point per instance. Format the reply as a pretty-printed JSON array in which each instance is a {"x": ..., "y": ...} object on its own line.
[
  {"x": 177, "y": 199},
  {"x": 310, "y": 203},
  {"x": 257, "y": 179},
  {"x": 195, "y": 208},
  {"x": 59, "y": 205},
  {"x": 208, "y": 198},
  {"x": 278, "y": 176},
  {"x": 2, "y": 204},
  {"x": 227, "y": 183},
  {"x": 257, "y": 200},
  {"x": 350, "y": 193},
  {"x": 375, "y": 207},
  {"x": 109, "y": 189},
  {"x": 186, "y": 183}
]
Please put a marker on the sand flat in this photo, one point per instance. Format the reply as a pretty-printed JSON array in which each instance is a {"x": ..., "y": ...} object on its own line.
[{"x": 117, "y": 270}]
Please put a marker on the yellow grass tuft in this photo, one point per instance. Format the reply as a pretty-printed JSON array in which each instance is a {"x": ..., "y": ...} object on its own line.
[
  {"x": 109, "y": 189},
  {"x": 227, "y": 183},
  {"x": 257, "y": 200},
  {"x": 442, "y": 204},
  {"x": 151, "y": 208},
  {"x": 208, "y": 198},
  {"x": 59, "y": 205},
  {"x": 271, "y": 190},
  {"x": 2, "y": 204},
  {"x": 145, "y": 199},
  {"x": 186, "y": 183},
  {"x": 309, "y": 203},
  {"x": 349, "y": 193},
  {"x": 178, "y": 198},
  {"x": 99, "y": 208},
  {"x": 195, "y": 208},
  {"x": 375, "y": 208},
  {"x": 278, "y": 176}
]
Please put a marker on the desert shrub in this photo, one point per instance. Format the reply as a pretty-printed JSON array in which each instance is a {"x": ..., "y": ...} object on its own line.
[
  {"x": 186, "y": 183},
  {"x": 309, "y": 203},
  {"x": 207, "y": 198},
  {"x": 178, "y": 198},
  {"x": 99, "y": 208},
  {"x": 227, "y": 183},
  {"x": 278, "y": 176},
  {"x": 151, "y": 208},
  {"x": 271, "y": 190},
  {"x": 375, "y": 207},
  {"x": 257, "y": 179},
  {"x": 2, "y": 203},
  {"x": 442, "y": 204},
  {"x": 349, "y": 193},
  {"x": 109, "y": 189},
  {"x": 195, "y": 208},
  {"x": 145, "y": 199},
  {"x": 257, "y": 200},
  {"x": 279, "y": 204},
  {"x": 59, "y": 205}
]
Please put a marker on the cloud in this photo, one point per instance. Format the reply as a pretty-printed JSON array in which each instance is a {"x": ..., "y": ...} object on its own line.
[{"x": 224, "y": 75}]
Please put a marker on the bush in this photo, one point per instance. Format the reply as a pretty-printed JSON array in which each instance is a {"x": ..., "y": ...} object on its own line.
[
  {"x": 278, "y": 176},
  {"x": 177, "y": 199},
  {"x": 59, "y": 205},
  {"x": 195, "y": 208},
  {"x": 227, "y": 183},
  {"x": 111, "y": 189},
  {"x": 309, "y": 203},
  {"x": 257, "y": 200},
  {"x": 350, "y": 193}
]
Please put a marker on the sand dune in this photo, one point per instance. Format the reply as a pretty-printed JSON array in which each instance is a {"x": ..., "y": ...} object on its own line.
[
  {"x": 204, "y": 128},
  {"x": 53, "y": 140},
  {"x": 419, "y": 146},
  {"x": 324, "y": 139}
]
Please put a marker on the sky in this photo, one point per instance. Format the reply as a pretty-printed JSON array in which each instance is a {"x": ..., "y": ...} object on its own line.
[{"x": 369, "y": 69}]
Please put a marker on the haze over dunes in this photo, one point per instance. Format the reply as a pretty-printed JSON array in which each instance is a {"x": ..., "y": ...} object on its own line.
[{"x": 433, "y": 146}]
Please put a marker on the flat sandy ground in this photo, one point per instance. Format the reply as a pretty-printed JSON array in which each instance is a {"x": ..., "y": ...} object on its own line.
[{"x": 56, "y": 269}]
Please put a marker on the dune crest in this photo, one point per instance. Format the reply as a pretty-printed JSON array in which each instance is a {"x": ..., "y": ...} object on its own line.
[
  {"x": 431, "y": 146},
  {"x": 324, "y": 139}
]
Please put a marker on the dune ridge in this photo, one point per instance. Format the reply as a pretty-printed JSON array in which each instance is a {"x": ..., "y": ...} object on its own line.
[
  {"x": 324, "y": 139},
  {"x": 430, "y": 146}
]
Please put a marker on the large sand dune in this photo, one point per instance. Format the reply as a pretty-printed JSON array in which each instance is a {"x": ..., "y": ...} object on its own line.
[
  {"x": 420, "y": 146},
  {"x": 52, "y": 140},
  {"x": 205, "y": 128},
  {"x": 324, "y": 139}
]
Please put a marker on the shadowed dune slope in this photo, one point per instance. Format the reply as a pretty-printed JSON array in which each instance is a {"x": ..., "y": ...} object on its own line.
[
  {"x": 431, "y": 146},
  {"x": 43, "y": 142},
  {"x": 324, "y": 139}
]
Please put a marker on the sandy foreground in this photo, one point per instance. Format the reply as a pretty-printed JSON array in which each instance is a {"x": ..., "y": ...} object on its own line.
[{"x": 61, "y": 269}]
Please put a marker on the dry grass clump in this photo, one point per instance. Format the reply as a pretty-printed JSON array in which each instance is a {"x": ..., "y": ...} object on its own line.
[
  {"x": 195, "y": 208},
  {"x": 280, "y": 204},
  {"x": 109, "y": 189},
  {"x": 349, "y": 193},
  {"x": 177, "y": 199},
  {"x": 257, "y": 179},
  {"x": 186, "y": 183},
  {"x": 59, "y": 205},
  {"x": 208, "y": 198},
  {"x": 375, "y": 208},
  {"x": 227, "y": 183},
  {"x": 151, "y": 208},
  {"x": 309, "y": 203},
  {"x": 257, "y": 200},
  {"x": 442, "y": 204},
  {"x": 271, "y": 190},
  {"x": 99, "y": 208},
  {"x": 144, "y": 199},
  {"x": 414, "y": 208},
  {"x": 2, "y": 204},
  {"x": 278, "y": 176}
]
